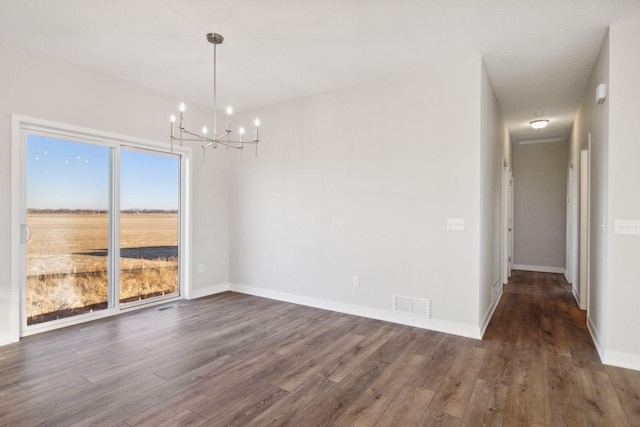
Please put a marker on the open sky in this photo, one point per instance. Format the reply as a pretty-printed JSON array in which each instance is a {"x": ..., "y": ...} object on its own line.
[{"x": 71, "y": 175}]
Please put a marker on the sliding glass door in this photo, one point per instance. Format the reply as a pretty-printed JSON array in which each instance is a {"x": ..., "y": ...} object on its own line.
[
  {"x": 149, "y": 225},
  {"x": 68, "y": 225},
  {"x": 101, "y": 227}
]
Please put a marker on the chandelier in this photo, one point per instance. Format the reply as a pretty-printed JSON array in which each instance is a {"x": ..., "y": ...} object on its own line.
[{"x": 214, "y": 140}]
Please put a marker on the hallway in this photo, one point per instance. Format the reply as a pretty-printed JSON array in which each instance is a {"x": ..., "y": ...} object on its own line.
[{"x": 539, "y": 346}]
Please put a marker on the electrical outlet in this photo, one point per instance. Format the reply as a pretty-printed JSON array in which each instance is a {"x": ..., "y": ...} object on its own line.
[
  {"x": 200, "y": 268},
  {"x": 356, "y": 280}
]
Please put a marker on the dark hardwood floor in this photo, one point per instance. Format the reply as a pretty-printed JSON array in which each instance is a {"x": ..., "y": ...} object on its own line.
[{"x": 234, "y": 359}]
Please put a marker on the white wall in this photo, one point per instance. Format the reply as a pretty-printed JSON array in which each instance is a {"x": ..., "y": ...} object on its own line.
[
  {"x": 495, "y": 148},
  {"x": 360, "y": 182},
  {"x": 594, "y": 119},
  {"x": 613, "y": 317},
  {"x": 623, "y": 279},
  {"x": 540, "y": 206},
  {"x": 36, "y": 86},
  {"x": 354, "y": 182}
]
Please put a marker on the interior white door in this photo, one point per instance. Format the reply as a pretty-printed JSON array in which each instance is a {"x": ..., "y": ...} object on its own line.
[
  {"x": 584, "y": 229},
  {"x": 506, "y": 222},
  {"x": 511, "y": 219},
  {"x": 504, "y": 267},
  {"x": 569, "y": 252}
]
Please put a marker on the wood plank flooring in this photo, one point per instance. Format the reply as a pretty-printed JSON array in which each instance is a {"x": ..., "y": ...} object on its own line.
[{"x": 234, "y": 359}]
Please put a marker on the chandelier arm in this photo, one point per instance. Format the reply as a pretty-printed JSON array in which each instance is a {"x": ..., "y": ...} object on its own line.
[
  {"x": 195, "y": 135},
  {"x": 219, "y": 140},
  {"x": 223, "y": 136},
  {"x": 193, "y": 139},
  {"x": 230, "y": 144},
  {"x": 243, "y": 142}
]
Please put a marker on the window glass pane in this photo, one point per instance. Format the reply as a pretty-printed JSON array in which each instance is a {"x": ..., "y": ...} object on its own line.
[
  {"x": 67, "y": 211},
  {"x": 149, "y": 224}
]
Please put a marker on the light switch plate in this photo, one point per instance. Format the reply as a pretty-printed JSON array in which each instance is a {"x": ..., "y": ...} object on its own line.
[
  {"x": 455, "y": 224},
  {"x": 627, "y": 226}
]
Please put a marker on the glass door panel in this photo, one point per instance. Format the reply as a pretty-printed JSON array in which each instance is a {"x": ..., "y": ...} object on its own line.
[
  {"x": 149, "y": 225},
  {"x": 68, "y": 216}
]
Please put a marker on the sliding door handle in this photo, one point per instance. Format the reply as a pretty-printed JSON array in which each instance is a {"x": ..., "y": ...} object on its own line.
[{"x": 25, "y": 233}]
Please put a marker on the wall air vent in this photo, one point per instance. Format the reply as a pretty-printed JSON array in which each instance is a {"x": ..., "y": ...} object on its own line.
[
  {"x": 415, "y": 306},
  {"x": 402, "y": 304}
]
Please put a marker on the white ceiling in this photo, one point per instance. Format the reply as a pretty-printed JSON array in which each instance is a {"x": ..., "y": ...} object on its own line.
[{"x": 539, "y": 54}]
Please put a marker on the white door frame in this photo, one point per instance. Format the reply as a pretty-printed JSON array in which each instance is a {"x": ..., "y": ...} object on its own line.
[
  {"x": 506, "y": 222},
  {"x": 585, "y": 175},
  {"x": 570, "y": 220},
  {"x": 512, "y": 189}
]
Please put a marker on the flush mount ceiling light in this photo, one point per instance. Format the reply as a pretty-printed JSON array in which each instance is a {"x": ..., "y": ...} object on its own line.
[
  {"x": 215, "y": 140},
  {"x": 539, "y": 124}
]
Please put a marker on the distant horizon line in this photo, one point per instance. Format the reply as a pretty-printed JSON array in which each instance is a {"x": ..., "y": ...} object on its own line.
[{"x": 96, "y": 211}]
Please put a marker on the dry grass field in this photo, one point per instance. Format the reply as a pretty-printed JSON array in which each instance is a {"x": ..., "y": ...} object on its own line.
[{"x": 67, "y": 261}]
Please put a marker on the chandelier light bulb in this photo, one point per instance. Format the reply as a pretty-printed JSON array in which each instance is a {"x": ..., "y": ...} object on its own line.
[
  {"x": 173, "y": 118},
  {"x": 257, "y": 122},
  {"x": 229, "y": 110},
  {"x": 241, "y": 130},
  {"x": 182, "y": 107},
  {"x": 204, "y": 130}
]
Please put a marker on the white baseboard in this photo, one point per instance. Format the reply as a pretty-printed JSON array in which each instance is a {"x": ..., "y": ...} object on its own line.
[
  {"x": 622, "y": 360},
  {"x": 613, "y": 358},
  {"x": 209, "y": 290},
  {"x": 8, "y": 338},
  {"x": 595, "y": 338},
  {"x": 487, "y": 317},
  {"x": 447, "y": 327},
  {"x": 538, "y": 268},
  {"x": 576, "y": 295}
]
